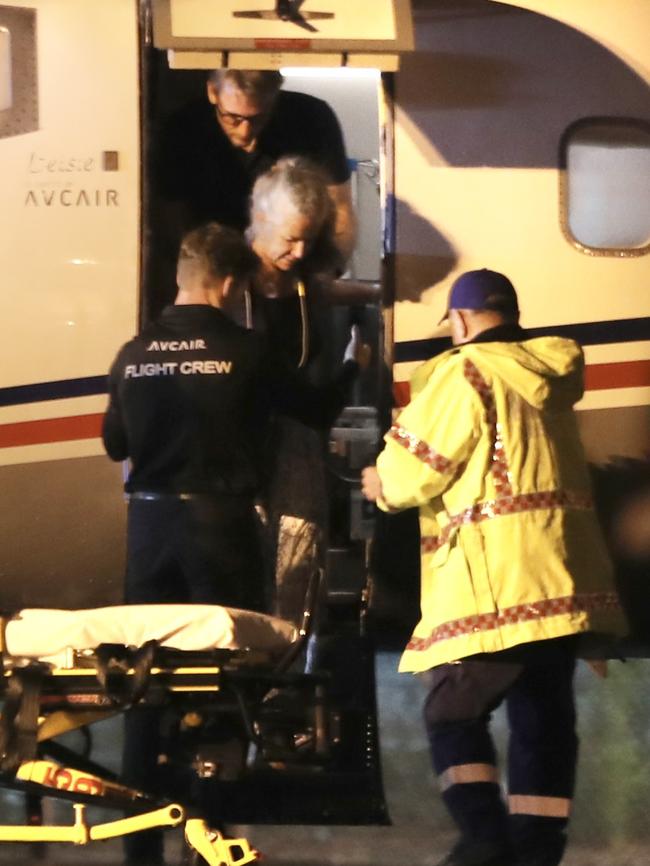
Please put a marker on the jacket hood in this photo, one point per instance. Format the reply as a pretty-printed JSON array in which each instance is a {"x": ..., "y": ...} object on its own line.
[{"x": 548, "y": 372}]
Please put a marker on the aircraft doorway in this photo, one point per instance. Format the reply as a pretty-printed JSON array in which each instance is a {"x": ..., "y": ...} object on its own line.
[
  {"x": 355, "y": 97},
  {"x": 353, "y": 94}
]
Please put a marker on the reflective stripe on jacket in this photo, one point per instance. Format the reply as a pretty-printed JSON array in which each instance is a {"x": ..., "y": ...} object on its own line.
[{"x": 511, "y": 549}]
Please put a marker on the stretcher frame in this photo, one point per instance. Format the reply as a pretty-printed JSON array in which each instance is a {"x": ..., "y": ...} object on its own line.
[{"x": 48, "y": 701}]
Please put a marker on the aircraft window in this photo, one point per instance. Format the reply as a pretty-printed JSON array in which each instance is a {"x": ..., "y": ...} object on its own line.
[
  {"x": 605, "y": 208},
  {"x": 18, "y": 73},
  {"x": 5, "y": 69}
]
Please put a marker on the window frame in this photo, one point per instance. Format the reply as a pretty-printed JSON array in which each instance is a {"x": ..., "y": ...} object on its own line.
[{"x": 565, "y": 141}]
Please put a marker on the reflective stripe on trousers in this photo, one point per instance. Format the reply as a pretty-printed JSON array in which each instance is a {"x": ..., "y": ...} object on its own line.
[{"x": 463, "y": 774}]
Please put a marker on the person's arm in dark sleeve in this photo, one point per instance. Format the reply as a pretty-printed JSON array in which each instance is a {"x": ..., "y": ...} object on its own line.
[
  {"x": 288, "y": 393},
  {"x": 317, "y": 406},
  {"x": 345, "y": 220},
  {"x": 328, "y": 142},
  {"x": 113, "y": 429},
  {"x": 333, "y": 158}
]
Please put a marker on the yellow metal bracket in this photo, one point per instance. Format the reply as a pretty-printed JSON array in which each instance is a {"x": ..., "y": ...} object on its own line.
[{"x": 216, "y": 850}]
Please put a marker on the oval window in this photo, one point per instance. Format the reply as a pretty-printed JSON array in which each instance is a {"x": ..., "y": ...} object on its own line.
[{"x": 606, "y": 186}]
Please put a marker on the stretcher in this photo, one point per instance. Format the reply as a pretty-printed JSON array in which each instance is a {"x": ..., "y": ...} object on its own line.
[{"x": 250, "y": 737}]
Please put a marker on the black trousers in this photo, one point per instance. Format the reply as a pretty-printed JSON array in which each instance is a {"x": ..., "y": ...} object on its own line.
[
  {"x": 182, "y": 550},
  {"x": 536, "y": 683},
  {"x": 196, "y": 550}
]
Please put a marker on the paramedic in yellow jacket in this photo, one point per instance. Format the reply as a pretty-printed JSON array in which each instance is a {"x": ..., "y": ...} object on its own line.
[{"x": 513, "y": 567}]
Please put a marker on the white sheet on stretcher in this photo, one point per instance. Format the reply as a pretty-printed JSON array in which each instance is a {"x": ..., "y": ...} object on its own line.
[{"x": 49, "y": 634}]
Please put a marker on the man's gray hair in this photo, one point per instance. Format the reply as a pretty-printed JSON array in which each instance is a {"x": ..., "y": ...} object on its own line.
[
  {"x": 256, "y": 83},
  {"x": 299, "y": 180}
]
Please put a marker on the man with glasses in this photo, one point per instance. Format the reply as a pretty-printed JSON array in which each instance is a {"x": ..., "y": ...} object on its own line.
[{"x": 212, "y": 152}]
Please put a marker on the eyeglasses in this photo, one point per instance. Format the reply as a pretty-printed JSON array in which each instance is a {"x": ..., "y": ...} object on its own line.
[{"x": 231, "y": 119}]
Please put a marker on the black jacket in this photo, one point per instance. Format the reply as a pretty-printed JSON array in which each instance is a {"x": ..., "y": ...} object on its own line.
[{"x": 189, "y": 399}]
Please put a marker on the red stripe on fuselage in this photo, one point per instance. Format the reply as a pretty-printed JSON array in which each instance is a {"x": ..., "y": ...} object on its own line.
[
  {"x": 51, "y": 430},
  {"x": 623, "y": 374}
]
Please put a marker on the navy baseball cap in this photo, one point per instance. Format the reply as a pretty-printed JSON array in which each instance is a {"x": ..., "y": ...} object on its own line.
[{"x": 482, "y": 290}]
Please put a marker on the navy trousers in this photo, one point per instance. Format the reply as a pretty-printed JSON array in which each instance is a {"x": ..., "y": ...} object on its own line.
[
  {"x": 536, "y": 683},
  {"x": 198, "y": 550}
]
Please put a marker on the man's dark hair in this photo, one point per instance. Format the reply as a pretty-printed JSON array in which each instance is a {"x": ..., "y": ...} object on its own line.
[
  {"x": 498, "y": 303},
  {"x": 257, "y": 83},
  {"x": 220, "y": 251}
]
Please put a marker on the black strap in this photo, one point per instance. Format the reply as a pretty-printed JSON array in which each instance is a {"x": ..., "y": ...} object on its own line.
[
  {"x": 113, "y": 664},
  {"x": 19, "y": 719},
  {"x": 142, "y": 664}
]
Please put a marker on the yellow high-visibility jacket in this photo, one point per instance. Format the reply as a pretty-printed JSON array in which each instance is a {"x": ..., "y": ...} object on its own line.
[{"x": 489, "y": 450}]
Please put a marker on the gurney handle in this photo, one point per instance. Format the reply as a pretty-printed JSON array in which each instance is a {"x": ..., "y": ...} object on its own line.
[
  {"x": 168, "y": 816},
  {"x": 80, "y": 833}
]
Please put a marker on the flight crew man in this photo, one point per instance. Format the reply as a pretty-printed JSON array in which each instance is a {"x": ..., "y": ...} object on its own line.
[
  {"x": 188, "y": 402},
  {"x": 181, "y": 409},
  {"x": 513, "y": 568}
]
